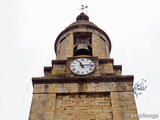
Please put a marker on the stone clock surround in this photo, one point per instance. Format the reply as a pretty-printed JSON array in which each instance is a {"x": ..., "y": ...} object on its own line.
[{"x": 102, "y": 67}]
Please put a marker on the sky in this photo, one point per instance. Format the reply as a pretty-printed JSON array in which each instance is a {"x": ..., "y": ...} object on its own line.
[{"x": 28, "y": 29}]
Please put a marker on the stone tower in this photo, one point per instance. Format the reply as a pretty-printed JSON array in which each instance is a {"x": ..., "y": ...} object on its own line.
[{"x": 83, "y": 83}]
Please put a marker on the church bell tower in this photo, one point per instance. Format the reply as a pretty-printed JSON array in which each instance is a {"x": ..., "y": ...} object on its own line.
[{"x": 83, "y": 83}]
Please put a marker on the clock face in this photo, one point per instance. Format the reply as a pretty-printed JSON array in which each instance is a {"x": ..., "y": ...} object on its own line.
[{"x": 82, "y": 66}]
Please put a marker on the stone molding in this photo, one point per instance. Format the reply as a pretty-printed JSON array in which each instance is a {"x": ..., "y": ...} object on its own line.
[{"x": 78, "y": 79}]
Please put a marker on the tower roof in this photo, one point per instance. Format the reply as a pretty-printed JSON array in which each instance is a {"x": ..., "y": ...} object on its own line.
[{"x": 82, "y": 20}]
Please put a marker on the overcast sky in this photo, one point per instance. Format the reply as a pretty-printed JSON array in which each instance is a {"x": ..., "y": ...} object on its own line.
[{"x": 28, "y": 29}]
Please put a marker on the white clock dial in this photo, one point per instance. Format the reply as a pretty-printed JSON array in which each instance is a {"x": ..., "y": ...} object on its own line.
[{"x": 82, "y": 66}]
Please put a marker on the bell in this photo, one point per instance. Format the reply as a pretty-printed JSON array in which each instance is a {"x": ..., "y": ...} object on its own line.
[{"x": 82, "y": 47}]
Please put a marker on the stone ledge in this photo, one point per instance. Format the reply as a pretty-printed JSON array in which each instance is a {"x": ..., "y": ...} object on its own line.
[
  {"x": 83, "y": 79},
  {"x": 107, "y": 74},
  {"x": 93, "y": 58},
  {"x": 47, "y": 68},
  {"x": 89, "y": 57},
  {"x": 84, "y": 93},
  {"x": 59, "y": 62},
  {"x": 106, "y": 60},
  {"x": 117, "y": 67}
]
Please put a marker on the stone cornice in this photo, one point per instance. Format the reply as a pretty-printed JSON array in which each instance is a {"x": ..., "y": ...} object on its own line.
[
  {"x": 64, "y": 61},
  {"x": 47, "y": 68},
  {"x": 106, "y": 60},
  {"x": 117, "y": 67},
  {"x": 58, "y": 62},
  {"x": 79, "y": 79}
]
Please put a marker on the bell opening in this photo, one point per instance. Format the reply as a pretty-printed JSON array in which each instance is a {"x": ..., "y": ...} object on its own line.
[
  {"x": 82, "y": 50},
  {"x": 82, "y": 43}
]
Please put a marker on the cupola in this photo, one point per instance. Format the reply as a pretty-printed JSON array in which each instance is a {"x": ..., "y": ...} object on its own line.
[{"x": 82, "y": 38}]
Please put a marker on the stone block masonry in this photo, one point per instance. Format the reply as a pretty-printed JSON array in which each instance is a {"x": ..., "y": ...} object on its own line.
[
  {"x": 91, "y": 98},
  {"x": 83, "y": 107}
]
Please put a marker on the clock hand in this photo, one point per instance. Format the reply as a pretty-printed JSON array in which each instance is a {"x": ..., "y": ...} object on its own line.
[
  {"x": 81, "y": 64},
  {"x": 88, "y": 65}
]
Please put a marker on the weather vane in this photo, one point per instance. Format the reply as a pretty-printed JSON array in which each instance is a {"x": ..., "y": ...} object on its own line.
[{"x": 84, "y": 7}]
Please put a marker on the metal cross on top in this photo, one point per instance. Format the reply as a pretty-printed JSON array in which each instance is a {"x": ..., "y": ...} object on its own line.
[{"x": 84, "y": 7}]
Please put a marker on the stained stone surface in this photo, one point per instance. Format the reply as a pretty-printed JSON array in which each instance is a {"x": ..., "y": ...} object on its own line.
[{"x": 83, "y": 107}]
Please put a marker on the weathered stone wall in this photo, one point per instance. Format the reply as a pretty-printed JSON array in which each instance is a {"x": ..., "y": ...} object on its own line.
[
  {"x": 83, "y": 107},
  {"x": 99, "y": 47},
  {"x": 82, "y": 87},
  {"x": 117, "y": 71},
  {"x": 123, "y": 105},
  {"x": 58, "y": 69},
  {"x": 65, "y": 48},
  {"x": 83, "y": 101},
  {"x": 106, "y": 67},
  {"x": 42, "y": 107}
]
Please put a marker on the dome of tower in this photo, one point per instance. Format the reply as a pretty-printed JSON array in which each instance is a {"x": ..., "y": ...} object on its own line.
[
  {"x": 82, "y": 16},
  {"x": 82, "y": 21}
]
